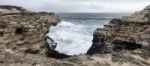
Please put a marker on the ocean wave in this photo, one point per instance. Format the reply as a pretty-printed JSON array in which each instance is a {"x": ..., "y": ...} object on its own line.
[
  {"x": 73, "y": 37},
  {"x": 89, "y": 17}
]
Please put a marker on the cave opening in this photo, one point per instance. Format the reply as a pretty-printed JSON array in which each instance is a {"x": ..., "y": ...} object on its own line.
[
  {"x": 21, "y": 30},
  {"x": 123, "y": 45}
]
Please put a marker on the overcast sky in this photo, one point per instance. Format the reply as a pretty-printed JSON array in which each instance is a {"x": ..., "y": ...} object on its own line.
[{"x": 80, "y": 5}]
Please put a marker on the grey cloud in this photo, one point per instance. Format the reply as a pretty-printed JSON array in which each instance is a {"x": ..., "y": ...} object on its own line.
[{"x": 80, "y": 5}]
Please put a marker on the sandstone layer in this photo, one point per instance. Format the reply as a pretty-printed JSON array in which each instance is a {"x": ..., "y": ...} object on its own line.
[
  {"x": 11, "y": 9},
  {"x": 126, "y": 39},
  {"x": 23, "y": 41}
]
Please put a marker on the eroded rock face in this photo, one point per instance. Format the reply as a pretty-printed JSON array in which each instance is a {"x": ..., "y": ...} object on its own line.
[
  {"x": 25, "y": 32},
  {"x": 23, "y": 39},
  {"x": 127, "y": 39},
  {"x": 123, "y": 42},
  {"x": 11, "y": 9}
]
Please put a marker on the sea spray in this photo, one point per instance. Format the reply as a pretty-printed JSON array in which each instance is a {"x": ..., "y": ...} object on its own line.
[
  {"x": 74, "y": 34},
  {"x": 72, "y": 38}
]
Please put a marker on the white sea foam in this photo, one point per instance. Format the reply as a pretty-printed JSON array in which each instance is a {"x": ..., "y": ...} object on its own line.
[
  {"x": 72, "y": 38},
  {"x": 74, "y": 34}
]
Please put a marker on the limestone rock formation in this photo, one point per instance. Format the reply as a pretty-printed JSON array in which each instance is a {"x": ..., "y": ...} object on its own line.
[
  {"x": 123, "y": 42},
  {"x": 25, "y": 32},
  {"x": 126, "y": 39},
  {"x": 11, "y": 9}
]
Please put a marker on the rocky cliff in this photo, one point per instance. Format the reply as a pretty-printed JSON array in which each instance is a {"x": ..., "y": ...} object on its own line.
[
  {"x": 22, "y": 33},
  {"x": 11, "y": 9},
  {"x": 126, "y": 39},
  {"x": 23, "y": 41}
]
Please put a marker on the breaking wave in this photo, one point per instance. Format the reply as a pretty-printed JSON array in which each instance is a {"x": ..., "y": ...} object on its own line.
[{"x": 73, "y": 38}]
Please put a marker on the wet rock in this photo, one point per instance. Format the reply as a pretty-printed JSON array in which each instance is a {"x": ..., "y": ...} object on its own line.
[
  {"x": 62, "y": 64},
  {"x": 51, "y": 52},
  {"x": 51, "y": 42}
]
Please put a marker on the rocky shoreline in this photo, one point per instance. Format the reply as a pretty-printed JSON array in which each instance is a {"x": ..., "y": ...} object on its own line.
[
  {"x": 127, "y": 39},
  {"x": 23, "y": 41}
]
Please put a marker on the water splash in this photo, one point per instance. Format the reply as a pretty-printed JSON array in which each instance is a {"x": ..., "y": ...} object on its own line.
[{"x": 73, "y": 37}]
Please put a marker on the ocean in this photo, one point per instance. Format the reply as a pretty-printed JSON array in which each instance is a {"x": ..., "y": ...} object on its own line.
[{"x": 74, "y": 33}]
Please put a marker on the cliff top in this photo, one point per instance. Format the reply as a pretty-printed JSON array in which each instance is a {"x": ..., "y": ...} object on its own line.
[
  {"x": 141, "y": 16},
  {"x": 11, "y": 9}
]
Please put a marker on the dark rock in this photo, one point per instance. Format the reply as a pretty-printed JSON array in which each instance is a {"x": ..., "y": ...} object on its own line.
[
  {"x": 54, "y": 54},
  {"x": 21, "y": 30},
  {"x": 3, "y": 24},
  {"x": 51, "y": 52},
  {"x": 123, "y": 45}
]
